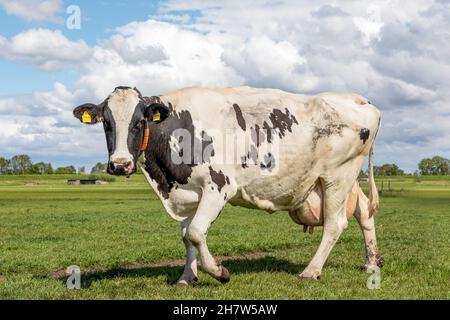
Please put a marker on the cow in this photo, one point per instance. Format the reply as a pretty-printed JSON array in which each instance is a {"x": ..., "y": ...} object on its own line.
[{"x": 296, "y": 153}]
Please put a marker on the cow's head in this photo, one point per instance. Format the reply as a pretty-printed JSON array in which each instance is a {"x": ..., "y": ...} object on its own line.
[{"x": 124, "y": 115}]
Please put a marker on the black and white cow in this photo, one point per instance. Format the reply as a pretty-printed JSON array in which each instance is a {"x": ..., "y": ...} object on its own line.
[{"x": 258, "y": 148}]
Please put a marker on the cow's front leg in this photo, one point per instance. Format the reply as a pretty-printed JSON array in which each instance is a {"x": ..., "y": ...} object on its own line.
[
  {"x": 190, "y": 269},
  {"x": 335, "y": 221},
  {"x": 208, "y": 210}
]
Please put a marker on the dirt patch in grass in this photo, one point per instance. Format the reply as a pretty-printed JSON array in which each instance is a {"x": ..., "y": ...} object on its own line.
[{"x": 60, "y": 274}]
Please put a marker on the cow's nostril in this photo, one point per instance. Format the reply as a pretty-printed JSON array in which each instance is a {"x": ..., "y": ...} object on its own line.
[
  {"x": 112, "y": 166},
  {"x": 128, "y": 164}
]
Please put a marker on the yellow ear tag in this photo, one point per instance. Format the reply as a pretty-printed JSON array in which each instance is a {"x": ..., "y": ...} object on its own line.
[
  {"x": 86, "y": 118},
  {"x": 157, "y": 116}
]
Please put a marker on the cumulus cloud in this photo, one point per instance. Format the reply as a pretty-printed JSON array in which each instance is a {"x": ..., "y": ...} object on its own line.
[
  {"x": 44, "y": 10},
  {"x": 155, "y": 57},
  {"x": 43, "y": 48},
  {"x": 41, "y": 124},
  {"x": 393, "y": 52},
  {"x": 263, "y": 62},
  {"x": 327, "y": 11}
]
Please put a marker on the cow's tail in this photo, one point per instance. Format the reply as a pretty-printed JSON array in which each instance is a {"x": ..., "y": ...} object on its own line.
[{"x": 374, "y": 200}]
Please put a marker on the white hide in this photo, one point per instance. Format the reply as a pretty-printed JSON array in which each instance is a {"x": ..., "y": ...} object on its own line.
[
  {"x": 299, "y": 165},
  {"x": 122, "y": 103}
]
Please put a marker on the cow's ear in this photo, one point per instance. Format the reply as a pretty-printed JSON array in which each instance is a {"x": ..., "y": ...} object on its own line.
[
  {"x": 88, "y": 113},
  {"x": 156, "y": 112}
]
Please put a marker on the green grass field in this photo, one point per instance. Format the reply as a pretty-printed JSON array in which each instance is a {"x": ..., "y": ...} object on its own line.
[{"x": 126, "y": 245}]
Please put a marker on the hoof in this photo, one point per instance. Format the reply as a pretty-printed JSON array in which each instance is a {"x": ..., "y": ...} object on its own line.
[
  {"x": 224, "y": 276},
  {"x": 182, "y": 283},
  {"x": 186, "y": 283},
  {"x": 309, "y": 275}
]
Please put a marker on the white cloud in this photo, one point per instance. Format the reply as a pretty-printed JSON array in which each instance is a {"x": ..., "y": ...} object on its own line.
[
  {"x": 370, "y": 25},
  {"x": 394, "y": 52},
  {"x": 43, "y": 48},
  {"x": 267, "y": 63},
  {"x": 155, "y": 57},
  {"x": 43, "y": 10},
  {"x": 41, "y": 124}
]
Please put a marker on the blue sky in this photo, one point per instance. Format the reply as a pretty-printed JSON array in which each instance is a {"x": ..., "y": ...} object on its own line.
[
  {"x": 99, "y": 19},
  {"x": 393, "y": 52}
]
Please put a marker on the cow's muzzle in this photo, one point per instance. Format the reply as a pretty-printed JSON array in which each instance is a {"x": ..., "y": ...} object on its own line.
[{"x": 121, "y": 167}]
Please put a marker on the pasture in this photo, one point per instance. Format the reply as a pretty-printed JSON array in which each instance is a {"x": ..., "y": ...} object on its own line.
[{"x": 129, "y": 248}]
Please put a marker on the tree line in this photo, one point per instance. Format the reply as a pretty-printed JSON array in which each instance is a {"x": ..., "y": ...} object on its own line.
[
  {"x": 22, "y": 164},
  {"x": 435, "y": 166}
]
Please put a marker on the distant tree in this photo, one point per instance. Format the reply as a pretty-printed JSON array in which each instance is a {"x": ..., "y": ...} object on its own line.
[
  {"x": 434, "y": 166},
  {"x": 66, "y": 170},
  {"x": 362, "y": 174},
  {"x": 388, "y": 169},
  {"x": 40, "y": 168},
  {"x": 20, "y": 163},
  {"x": 81, "y": 170},
  {"x": 425, "y": 167},
  {"x": 99, "y": 168},
  {"x": 4, "y": 166},
  {"x": 442, "y": 165},
  {"x": 47, "y": 168}
]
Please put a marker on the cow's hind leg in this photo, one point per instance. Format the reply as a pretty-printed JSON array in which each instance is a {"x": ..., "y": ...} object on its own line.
[
  {"x": 335, "y": 221},
  {"x": 208, "y": 210},
  {"x": 367, "y": 224},
  {"x": 190, "y": 269}
]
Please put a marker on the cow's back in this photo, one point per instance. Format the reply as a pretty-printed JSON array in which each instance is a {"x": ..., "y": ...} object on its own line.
[
  {"x": 314, "y": 135},
  {"x": 256, "y": 104}
]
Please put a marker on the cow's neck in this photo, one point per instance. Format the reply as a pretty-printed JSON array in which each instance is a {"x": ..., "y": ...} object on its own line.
[{"x": 159, "y": 165}]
